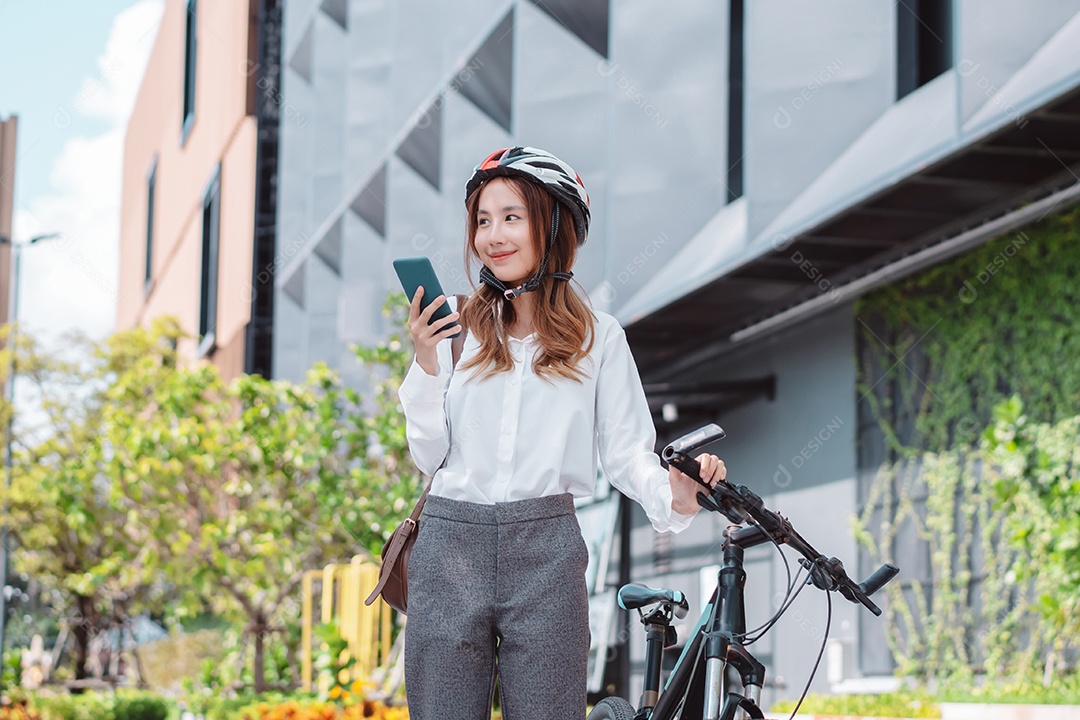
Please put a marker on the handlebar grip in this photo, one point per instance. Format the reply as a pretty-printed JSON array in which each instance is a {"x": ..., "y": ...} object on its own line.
[
  {"x": 687, "y": 465},
  {"x": 879, "y": 579}
]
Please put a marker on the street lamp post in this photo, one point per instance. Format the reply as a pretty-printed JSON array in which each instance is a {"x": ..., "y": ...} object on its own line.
[{"x": 16, "y": 253}]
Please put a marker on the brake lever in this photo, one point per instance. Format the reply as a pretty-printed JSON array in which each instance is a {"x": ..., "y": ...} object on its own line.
[{"x": 828, "y": 574}]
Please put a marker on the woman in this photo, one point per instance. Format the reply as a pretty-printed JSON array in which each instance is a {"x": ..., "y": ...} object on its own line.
[{"x": 510, "y": 435}]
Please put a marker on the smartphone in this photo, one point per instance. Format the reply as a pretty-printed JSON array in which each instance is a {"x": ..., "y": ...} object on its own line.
[{"x": 416, "y": 271}]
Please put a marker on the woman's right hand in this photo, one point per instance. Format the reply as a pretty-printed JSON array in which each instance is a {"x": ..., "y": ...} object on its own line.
[{"x": 426, "y": 337}]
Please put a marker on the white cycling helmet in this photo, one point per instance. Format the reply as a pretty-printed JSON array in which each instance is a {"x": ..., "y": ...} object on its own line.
[{"x": 544, "y": 169}]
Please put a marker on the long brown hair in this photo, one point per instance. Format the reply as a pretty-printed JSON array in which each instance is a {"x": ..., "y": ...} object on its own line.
[{"x": 563, "y": 321}]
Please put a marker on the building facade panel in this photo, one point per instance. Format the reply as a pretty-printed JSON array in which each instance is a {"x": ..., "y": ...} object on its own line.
[
  {"x": 817, "y": 76},
  {"x": 218, "y": 141},
  {"x": 995, "y": 39}
]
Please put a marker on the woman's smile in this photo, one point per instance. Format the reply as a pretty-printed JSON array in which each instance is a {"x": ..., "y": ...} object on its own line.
[{"x": 503, "y": 234}]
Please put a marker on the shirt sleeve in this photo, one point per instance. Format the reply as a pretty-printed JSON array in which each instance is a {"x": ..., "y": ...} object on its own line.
[
  {"x": 627, "y": 436},
  {"x": 423, "y": 399}
]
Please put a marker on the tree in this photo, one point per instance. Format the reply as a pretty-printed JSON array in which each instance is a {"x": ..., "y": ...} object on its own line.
[
  {"x": 245, "y": 486},
  {"x": 157, "y": 481},
  {"x": 70, "y": 536}
]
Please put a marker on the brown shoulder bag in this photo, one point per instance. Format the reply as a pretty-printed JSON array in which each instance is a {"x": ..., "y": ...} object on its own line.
[{"x": 394, "y": 574}]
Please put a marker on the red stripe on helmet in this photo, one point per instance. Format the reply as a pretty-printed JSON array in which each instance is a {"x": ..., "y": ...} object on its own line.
[{"x": 493, "y": 160}]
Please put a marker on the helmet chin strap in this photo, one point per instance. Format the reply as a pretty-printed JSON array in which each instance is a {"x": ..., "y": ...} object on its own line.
[{"x": 488, "y": 277}]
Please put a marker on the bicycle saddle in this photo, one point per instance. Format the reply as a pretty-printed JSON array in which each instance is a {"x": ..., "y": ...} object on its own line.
[{"x": 636, "y": 595}]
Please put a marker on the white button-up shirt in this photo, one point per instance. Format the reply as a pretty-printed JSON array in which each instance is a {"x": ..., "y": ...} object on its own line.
[{"x": 517, "y": 435}]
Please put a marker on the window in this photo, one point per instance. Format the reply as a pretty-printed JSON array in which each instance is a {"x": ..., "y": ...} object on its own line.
[
  {"x": 736, "y": 78},
  {"x": 923, "y": 42},
  {"x": 189, "y": 71},
  {"x": 151, "y": 183},
  {"x": 208, "y": 286}
]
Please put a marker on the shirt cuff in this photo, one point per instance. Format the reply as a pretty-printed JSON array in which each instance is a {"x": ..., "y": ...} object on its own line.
[
  {"x": 676, "y": 521},
  {"x": 419, "y": 387}
]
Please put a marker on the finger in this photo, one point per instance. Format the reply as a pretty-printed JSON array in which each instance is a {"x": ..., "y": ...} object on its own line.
[
  {"x": 435, "y": 305},
  {"x": 414, "y": 306},
  {"x": 710, "y": 466},
  {"x": 705, "y": 461},
  {"x": 443, "y": 324}
]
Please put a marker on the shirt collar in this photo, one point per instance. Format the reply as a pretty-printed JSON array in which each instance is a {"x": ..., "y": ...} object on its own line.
[{"x": 529, "y": 339}]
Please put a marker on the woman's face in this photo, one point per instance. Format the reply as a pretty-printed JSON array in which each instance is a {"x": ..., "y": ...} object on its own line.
[{"x": 504, "y": 238}]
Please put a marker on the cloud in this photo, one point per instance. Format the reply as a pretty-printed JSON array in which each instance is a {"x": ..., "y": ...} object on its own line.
[
  {"x": 111, "y": 93},
  {"x": 71, "y": 283}
]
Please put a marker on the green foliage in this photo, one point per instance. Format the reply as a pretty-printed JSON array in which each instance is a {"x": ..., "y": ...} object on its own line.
[
  {"x": 333, "y": 661},
  {"x": 10, "y": 666},
  {"x": 965, "y": 335},
  {"x": 1035, "y": 471},
  {"x": 161, "y": 485},
  {"x": 899, "y": 705},
  {"x": 121, "y": 705},
  {"x": 945, "y": 354},
  {"x": 944, "y": 629},
  {"x": 70, "y": 535},
  {"x": 388, "y": 466},
  {"x": 1062, "y": 691},
  {"x": 229, "y": 669}
]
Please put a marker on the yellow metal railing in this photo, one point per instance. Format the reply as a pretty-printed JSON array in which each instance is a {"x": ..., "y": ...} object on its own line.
[{"x": 366, "y": 629}]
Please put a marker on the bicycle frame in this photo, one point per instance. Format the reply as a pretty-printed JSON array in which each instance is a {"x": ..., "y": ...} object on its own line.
[
  {"x": 696, "y": 690},
  {"x": 719, "y": 629}
]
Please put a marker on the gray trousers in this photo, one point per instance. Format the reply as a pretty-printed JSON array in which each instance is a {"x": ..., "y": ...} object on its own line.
[{"x": 497, "y": 590}]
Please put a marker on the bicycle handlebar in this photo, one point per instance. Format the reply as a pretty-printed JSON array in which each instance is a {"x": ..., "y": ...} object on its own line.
[{"x": 739, "y": 504}]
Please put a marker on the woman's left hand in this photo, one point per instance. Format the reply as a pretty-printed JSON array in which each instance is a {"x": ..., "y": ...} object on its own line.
[{"x": 684, "y": 489}]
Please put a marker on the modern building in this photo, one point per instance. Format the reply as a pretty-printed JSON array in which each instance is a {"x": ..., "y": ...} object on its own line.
[
  {"x": 198, "y": 204},
  {"x": 753, "y": 167}
]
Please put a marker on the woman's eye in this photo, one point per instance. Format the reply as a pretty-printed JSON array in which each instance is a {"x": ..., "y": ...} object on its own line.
[
  {"x": 512, "y": 217},
  {"x": 481, "y": 222}
]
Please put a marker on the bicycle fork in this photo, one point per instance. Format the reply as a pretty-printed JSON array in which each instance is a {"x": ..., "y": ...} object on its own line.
[{"x": 722, "y": 645}]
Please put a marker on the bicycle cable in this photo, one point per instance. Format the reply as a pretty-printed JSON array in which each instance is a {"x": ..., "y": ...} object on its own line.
[
  {"x": 787, "y": 594},
  {"x": 817, "y": 663},
  {"x": 784, "y": 604},
  {"x": 788, "y": 601}
]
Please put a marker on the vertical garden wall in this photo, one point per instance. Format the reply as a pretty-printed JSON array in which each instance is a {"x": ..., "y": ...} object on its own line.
[{"x": 969, "y": 392}]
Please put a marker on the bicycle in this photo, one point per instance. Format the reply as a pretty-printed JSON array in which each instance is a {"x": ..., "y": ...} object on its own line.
[{"x": 695, "y": 689}]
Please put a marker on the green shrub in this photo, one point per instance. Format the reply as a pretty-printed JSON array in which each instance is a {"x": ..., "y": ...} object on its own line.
[
  {"x": 122, "y": 705},
  {"x": 89, "y": 706},
  {"x": 141, "y": 707},
  {"x": 10, "y": 666},
  {"x": 1062, "y": 691},
  {"x": 900, "y": 704}
]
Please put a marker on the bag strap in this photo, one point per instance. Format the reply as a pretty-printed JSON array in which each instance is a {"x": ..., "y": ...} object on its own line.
[{"x": 457, "y": 343}]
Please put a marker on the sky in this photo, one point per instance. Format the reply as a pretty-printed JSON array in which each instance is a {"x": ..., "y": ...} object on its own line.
[{"x": 70, "y": 70}]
